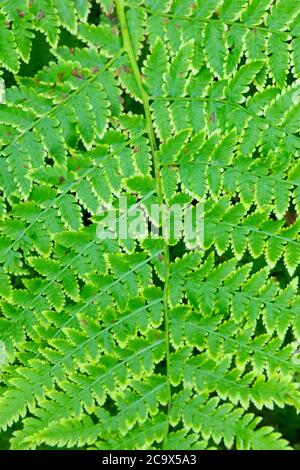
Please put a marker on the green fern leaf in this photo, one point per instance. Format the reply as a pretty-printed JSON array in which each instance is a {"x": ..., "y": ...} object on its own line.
[{"x": 117, "y": 332}]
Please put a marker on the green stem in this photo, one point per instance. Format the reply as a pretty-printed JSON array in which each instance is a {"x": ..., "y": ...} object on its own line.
[{"x": 150, "y": 131}]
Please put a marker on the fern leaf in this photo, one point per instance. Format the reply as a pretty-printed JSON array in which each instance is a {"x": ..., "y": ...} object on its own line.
[{"x": 117, "y": 332}]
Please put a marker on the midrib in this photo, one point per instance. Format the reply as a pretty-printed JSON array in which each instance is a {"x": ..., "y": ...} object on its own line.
[{"x": 150, "y": 131}]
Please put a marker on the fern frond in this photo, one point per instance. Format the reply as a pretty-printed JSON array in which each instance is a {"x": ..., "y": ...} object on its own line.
[{"x": 150, "y": 341}]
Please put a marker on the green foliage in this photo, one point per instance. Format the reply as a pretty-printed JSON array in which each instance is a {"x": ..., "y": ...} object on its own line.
[{"x": 126, "y": 344}]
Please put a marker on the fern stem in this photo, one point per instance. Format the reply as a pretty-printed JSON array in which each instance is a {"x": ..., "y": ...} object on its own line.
[{"x": 150, "y": 131}]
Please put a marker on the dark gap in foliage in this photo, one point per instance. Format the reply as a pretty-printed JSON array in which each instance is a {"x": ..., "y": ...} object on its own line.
[
  {"x": 243, "y": 60},
  {"x": 86, "y": 217},
  {"x": 145, "y": 50},
  {"x": 260, "y": 328},
  {"x": 273, "y": 215},
  {"x": 157, "y": 281},
  {"x": 5, "y": 436},
  {"x": 251, "y": 92},
  {"x": 184, "y": 300},
  {"x": 279, "y": 273},
  {"x": 129, "y": 103},
  {"x": 40, "y": 56},
  {"x": 17, "y": 282},
  {"x": 288, "y": 337},
  {"x": 69, "y": 40},
  {"x": 220, "y": 259},
  {"x": 290, "y": 78},
  {"x": 49, "y": 161},
  {"x": 178, "y": 250},
  {"x": 94, "y": 15},
  {"x": 8, "y": 78},
  {"x": 256, "y": 152},
  {"x": 110, "y": 406},
  {"x": 286, "y": 421},
  {"x": 7, "y": 206},
  {"x": 161, "y": 368},
  {"x": 269, "y": 82},
  {"x": 80, "y": 146},
  {"x": 235, "y": 199}
]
